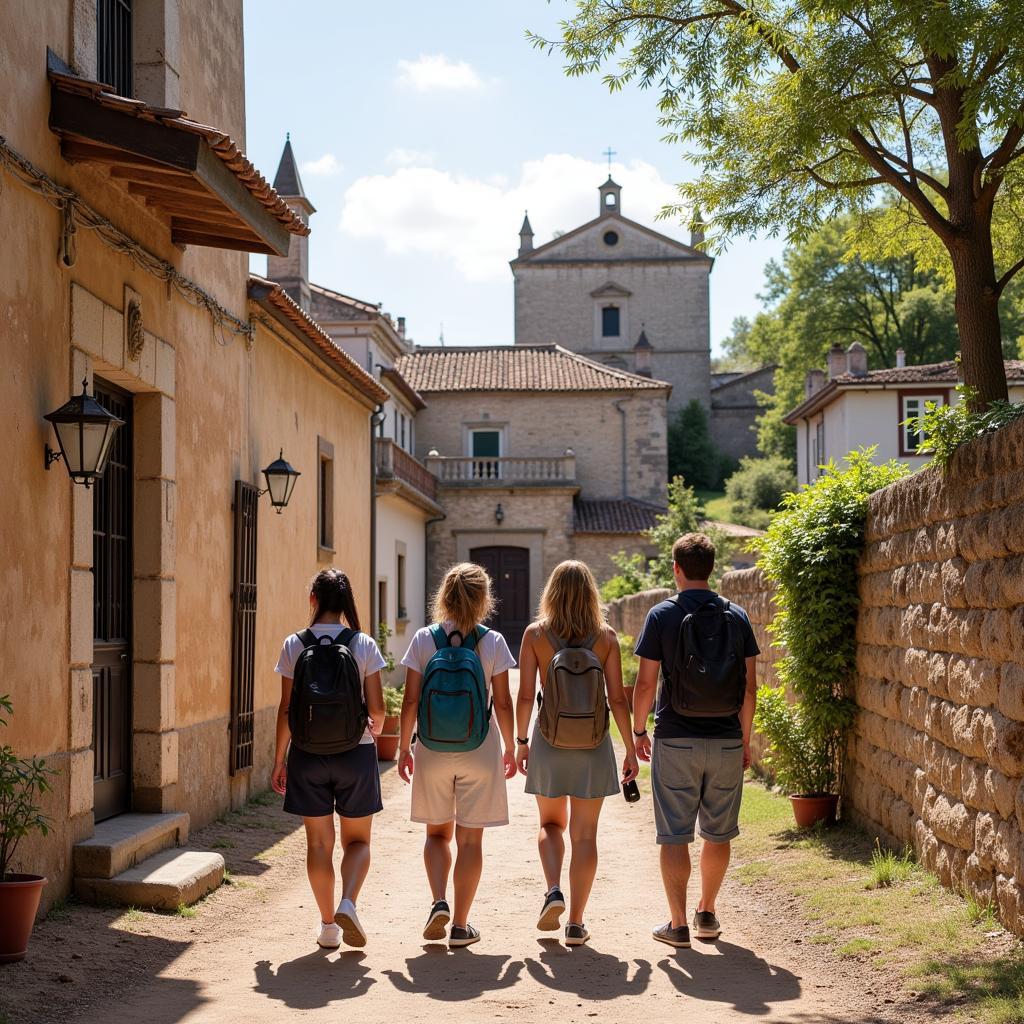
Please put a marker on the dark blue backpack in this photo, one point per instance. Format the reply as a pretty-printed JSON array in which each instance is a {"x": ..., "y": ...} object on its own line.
[{"x": 454, "y": 714}]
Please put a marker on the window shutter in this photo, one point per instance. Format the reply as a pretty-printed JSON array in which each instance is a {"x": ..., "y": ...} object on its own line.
[{"x": 243, "y": 628}]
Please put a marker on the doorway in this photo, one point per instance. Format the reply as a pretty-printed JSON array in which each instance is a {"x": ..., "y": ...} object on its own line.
[
  {"x": 112, "y": 616},
  {"x": 509, "y": 569}
]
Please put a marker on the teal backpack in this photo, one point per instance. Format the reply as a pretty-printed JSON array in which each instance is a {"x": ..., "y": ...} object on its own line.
[{"x": 454, "y": 714}]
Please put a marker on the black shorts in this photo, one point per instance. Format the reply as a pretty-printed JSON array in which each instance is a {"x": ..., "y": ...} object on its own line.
[{"x": 321, "y": 784}]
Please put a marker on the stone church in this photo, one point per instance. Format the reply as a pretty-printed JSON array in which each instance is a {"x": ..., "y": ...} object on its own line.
[{"x": 629, "y": 297}]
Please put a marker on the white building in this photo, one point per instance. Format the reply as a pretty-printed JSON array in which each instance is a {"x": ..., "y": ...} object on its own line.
[{"x": 853, "y": 407}]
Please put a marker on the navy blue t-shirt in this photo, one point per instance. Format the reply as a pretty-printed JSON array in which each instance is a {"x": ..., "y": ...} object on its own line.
[{"x": 658, "y": 641}]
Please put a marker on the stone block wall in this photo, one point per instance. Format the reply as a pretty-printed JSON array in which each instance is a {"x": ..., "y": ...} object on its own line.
[
  {"x": 626, "y": 614},
  {"x": 936, "y": 759}
]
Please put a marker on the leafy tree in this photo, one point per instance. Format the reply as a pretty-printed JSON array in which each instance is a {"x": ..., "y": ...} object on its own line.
[
  {"x": 802, "y": 110},
  {"x": 757, "y": 488},
  {"x": 691, "y": 452}
]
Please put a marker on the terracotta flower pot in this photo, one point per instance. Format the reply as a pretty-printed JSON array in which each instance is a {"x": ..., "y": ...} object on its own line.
[
  {"x": 387, "y": 746},
  {"x": 809, "y": 810},
  {"x": 19, "y": 901}
]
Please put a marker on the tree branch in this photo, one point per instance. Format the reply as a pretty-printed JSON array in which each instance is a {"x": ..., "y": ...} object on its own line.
[{"x": 1009, "y": 276}]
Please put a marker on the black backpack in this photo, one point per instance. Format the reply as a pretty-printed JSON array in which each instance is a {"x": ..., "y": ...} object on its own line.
[
  {"x": 327, "y": 714},
  {"x": 709, "y": 676}
]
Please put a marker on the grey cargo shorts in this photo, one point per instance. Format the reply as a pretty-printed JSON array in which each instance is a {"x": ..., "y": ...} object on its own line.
[{"x": 697, "y": 779}]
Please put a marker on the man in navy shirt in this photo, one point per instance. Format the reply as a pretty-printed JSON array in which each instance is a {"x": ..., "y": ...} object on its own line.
[{"x": 697, "y": 763}]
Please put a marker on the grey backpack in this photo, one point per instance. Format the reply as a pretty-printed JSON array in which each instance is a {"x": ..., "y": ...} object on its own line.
[{"x": 573, "y": 711}]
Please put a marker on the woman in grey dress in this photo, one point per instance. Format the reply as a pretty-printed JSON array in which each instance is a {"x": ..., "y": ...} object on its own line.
[{"x": 570, "y": 784}]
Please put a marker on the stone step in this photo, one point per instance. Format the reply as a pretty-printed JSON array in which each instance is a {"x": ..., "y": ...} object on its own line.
[
  {"x": 120, "y": 843},
  {"x": 162, "y": 882}
]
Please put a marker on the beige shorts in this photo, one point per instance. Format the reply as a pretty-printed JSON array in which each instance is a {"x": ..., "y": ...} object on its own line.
[{"x": 468, "y": 787}]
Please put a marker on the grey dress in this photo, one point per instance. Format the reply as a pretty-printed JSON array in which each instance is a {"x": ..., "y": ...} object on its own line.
[{"x": 587, "y": 774}]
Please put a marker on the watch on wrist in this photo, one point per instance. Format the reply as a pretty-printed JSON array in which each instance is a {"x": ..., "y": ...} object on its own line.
[
  {"x": 522, "y": 742},
  {"x": 643, "y": 732}
]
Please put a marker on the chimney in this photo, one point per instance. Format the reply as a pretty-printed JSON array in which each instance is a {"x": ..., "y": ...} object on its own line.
[
  {"x": 401, "y": 326},
  {"x": 291, "y": 271},
  {"x": 901, "y": 358},
  {"x": 813, "y": 382},
  {"x": 857, "y": 359},
  {"x": 836, "y": 362},
  {"x": 642, "y": 354}
]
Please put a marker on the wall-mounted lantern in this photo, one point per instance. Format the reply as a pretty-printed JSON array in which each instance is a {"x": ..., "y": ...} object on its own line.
[
  {"x": 499, "y": 514},
  {"x": 85, "y": 432},
  {"x": 281, "y": 477}
]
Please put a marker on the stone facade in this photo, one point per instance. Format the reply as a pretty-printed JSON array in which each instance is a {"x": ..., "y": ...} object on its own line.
[
  {"x": 734, "y": 411},
  {"x": 936, "y": 759},
  {"x": 657, "y": 285}
]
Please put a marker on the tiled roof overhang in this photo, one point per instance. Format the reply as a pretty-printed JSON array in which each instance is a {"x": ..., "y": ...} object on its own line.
[
  {"x": 190, "y": 172},
  {"x": 271, "y": 297}
]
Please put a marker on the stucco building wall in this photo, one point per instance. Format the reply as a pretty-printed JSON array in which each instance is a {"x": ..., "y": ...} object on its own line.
[{"x": 401, "y": 530}]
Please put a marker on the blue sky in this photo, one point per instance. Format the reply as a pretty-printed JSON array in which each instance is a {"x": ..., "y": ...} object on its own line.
[{"x": 424, "y": 130}]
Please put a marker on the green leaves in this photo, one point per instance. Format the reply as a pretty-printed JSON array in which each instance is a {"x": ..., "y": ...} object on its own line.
[
  {"x": 22, "y": 782},
  {"x": 810, "y": 553}
]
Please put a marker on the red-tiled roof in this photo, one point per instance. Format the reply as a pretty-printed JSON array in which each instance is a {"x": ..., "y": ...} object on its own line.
[
  {"x": 222, "y": 145},
  {"x": 271, "y": 294},
  {"x": 614, "y": 515},
  {"x": 944, "y": 374},
  {"x": 516, "y": 368}
]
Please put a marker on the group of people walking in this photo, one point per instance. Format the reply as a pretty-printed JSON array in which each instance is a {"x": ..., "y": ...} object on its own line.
[{"x": 463, "y": 737}]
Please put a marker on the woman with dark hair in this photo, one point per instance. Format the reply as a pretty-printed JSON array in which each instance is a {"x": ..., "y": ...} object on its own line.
[{"x": 332, "y": 705}]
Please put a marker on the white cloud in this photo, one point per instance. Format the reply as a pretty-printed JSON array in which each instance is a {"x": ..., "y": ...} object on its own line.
[
  {"x": 474, "y": 222},
  {"x": 436, "y": 72},
  {"x": 323, "y": 166},
  {"x": 402, "y": 157}
]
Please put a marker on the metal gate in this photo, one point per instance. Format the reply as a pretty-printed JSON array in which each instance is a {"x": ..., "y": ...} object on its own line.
[
  {"x": 112, "y": 616},
  {"x": 243, "y": 629}
]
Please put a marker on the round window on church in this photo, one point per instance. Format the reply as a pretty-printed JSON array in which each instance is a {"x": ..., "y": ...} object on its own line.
[{"x": 611, "y": 237}]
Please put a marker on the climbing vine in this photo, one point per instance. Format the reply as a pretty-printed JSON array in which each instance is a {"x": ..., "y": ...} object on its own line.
[{"x": 810, "y": 553}]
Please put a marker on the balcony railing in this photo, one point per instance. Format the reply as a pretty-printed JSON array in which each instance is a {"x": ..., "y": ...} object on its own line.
[
  {"x": 394, "y": 463},
  {"x": 484, "y": 471}
]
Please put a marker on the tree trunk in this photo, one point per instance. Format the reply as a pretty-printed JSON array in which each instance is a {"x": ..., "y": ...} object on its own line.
[{"x": 977, "y": 315}]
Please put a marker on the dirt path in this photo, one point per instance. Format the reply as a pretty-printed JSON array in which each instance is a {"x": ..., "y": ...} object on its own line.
[{"x": 249, "y": 954}]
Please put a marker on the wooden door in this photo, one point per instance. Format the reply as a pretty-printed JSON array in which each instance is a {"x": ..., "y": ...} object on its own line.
[
  {"x": 112, "y": 617},
  {"x": 509, "y": 569}
]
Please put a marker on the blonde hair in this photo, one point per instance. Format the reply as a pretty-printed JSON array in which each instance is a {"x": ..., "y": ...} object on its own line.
[
  {"x": 570, "y": 605},
  {"x": 464, "y": 597}
]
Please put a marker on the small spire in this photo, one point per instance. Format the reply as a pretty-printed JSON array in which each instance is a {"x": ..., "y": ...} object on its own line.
[
  {"x": 525, "y": 236},
  {"x": 287, "y": 183},
  {"x": 642, "y": 341},
  {"x": 526, "y": 229},
  {"x": 696, "y": 229}
]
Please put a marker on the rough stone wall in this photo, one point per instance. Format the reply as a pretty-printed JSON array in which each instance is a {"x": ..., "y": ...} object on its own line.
[
  {"x": 627, "y": 614},
  {"x": 596, "y": 549},
  {"x": 936, "y": 759}
]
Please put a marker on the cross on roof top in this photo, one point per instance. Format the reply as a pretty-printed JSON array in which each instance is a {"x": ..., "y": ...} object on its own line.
[{"x": 609, "y": 152}]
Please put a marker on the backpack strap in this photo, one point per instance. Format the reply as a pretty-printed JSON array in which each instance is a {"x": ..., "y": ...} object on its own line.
[
  {"x": 346, "y": 636},
  {"x": 554, "y": 639},
  {"x": 475, "y": 635},
  {"x": 440, "y": 637},
  {"x": 308, "y": 638}
]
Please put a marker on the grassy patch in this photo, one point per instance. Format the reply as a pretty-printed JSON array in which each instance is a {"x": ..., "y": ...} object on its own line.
[
  {"x": 717, "y": 506},
  {"x": 882, "y": 907},
  {"x": 60, "y": 911},
  {"x": 222, "y": 844},
  {"x": 130, "y": 917},
  {"x": 186, "y": 911}
]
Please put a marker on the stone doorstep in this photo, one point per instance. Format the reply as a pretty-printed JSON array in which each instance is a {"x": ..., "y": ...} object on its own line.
[
  {"x": 122, "y": 842},
  {"x": 162, "y": 882}
]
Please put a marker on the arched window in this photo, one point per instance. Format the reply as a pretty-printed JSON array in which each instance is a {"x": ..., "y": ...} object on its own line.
[{"x": 610, "y": 322}]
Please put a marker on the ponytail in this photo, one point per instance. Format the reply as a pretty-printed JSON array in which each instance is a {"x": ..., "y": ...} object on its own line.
[{"x": 333, "y": 593}]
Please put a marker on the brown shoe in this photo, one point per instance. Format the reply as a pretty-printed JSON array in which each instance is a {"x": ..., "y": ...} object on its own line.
[{"x": 677, "y": 937}]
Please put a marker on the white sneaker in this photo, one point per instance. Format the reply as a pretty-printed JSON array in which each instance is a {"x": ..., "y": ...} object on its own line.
[
  {"x": 351, "y": 930},
  {"x": 329, "y": 937}
]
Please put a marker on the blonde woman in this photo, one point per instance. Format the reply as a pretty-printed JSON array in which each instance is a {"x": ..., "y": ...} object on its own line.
[
  {"x": 457, "y": 674},
  {"x": 571, "y": 779}
]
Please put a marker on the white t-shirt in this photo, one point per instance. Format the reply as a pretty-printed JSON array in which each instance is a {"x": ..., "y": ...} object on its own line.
[
  {"x": 364, "y": 649},
  {"x": 491, "y": 649}
]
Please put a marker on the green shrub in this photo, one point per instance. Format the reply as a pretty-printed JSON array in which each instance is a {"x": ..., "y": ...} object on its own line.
[
  {"x": 685, "y": 514},
  {"x": 810, "y": 553},
  {"x": 393, "y": 697},
  {"x": 757, "y": 488},
  {"x": 889, "y": 868},
  {"x": 797, "y": 757},
  {"x": 943, "y": 428},
  {"x": 691, "y": 452},
  {"x": 630, "y": 662}
]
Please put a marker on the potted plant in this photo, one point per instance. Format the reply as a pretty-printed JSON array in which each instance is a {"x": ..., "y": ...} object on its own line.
[
  {"x": 22, "y": 782},
  {"x": 803, "y": 754},
  {"x": 384, "y": 633},
  {"x": 387, "y": 741},
  {"x": 630, "y": 667}
]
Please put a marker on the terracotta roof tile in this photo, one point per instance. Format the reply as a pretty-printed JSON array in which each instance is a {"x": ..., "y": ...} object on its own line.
[
  {"x": 270, "y": 293},
  {"x": 516, "y": 368},
  {"x": 940, "y": 373},
  {"x": 614, "y": 515},
  {"x": 222, "y": 145}
]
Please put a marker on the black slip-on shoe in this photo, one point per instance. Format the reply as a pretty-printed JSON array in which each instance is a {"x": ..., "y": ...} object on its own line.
[
  {"x": 459, "y": 937},
  {"x": 553, "y": 909},
  {"x": 677, "y": 937},
  {"x": 706, "y": 925},
  {"x": 576, "y": 934},
  {"x": 437, "y": 922}
]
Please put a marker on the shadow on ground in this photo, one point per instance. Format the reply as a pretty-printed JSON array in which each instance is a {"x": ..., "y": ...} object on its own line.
[
  {"x": 304, "y": 984},
  {"x": 455, "y": 975}
]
